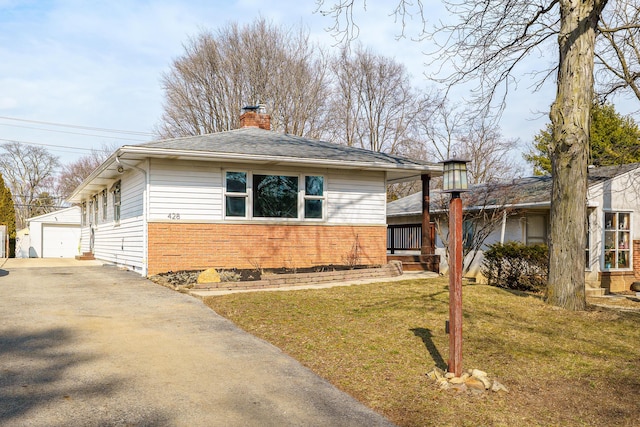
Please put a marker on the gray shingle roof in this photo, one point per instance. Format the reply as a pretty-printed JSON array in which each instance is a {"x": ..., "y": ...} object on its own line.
[
  {"x": 260, "y": 142},
  {"x": 535, "y": 190}
]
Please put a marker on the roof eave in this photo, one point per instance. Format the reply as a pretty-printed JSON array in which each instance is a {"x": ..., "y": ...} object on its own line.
[
  {"x": 76, "y": 196},
  {"x": 432, "y": 169},
  {"x": 396, "y": 172}
]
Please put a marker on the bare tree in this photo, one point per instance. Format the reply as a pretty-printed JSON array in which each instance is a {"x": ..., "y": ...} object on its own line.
[
  {"x": 442, "y": 132},
  {"x": 447, "y": 132},
  {"x": 618, "y": 49},
  {"x": 257, "y": 63},
  {"x": 438, "y": 131},
  {"x": 29, "y": 172},
  {"x": 490, "y": 153},
  {"x": 373, "y": 103},
  {"x": 486, "y": 45}
]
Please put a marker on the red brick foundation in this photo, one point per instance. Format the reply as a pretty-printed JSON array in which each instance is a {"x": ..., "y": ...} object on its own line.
[
  {"x": 636, "y": 258},
  {"x": 180, "y": 246}
]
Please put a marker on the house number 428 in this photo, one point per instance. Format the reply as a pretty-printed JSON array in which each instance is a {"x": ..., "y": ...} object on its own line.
[{"x": 173, "y": 216}]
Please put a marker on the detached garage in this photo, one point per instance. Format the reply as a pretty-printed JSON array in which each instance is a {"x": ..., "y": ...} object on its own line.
[{"x": 56, "y": 234}]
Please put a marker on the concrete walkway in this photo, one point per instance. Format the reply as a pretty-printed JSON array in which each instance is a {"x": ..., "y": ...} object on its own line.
[{"x": 88, "y": 345}]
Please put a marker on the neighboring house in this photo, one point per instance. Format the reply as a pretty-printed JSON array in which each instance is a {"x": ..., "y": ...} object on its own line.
[
  {"x": 52, "y": 235},
  {"x": 246, "y": 198},
  {"x": 613, "y": 206}
]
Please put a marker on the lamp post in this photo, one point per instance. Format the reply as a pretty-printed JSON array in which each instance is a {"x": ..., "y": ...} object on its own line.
[{"x": 454, "y": 182}]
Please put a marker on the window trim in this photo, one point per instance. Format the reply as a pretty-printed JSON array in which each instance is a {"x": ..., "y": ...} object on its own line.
[
  {"x": 105, "y": 205},
  {"x": 246, "y": 194},
  {"x": 616, "y": 249},
  {"x": 530, "y": 238},
  {"x": 588, "y": 250},
  {"x": 306, "y": 197},
  {"x": 116, "y": 190},
  {"x": 83, "y": 214},
  {"x": 275, "y": 218},
  {"x": 249, "y": 195},
  {"x": 95, "y": 212}
]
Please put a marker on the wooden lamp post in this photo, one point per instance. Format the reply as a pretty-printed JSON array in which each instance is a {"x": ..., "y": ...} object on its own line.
[{"x": 454, "y": 182}]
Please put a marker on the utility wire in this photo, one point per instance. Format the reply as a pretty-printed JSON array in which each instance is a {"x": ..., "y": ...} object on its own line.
[
  {"x": 47, "y": 145},
  {"x": 126, "y": 132},
  {"x": 73, "y": 133}
]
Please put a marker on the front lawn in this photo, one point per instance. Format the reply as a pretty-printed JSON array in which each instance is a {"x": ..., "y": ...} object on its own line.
[{"x": 378, "y": 341}]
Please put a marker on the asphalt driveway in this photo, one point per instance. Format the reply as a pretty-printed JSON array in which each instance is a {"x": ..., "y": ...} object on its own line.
[{"x": 98, "y": 346}]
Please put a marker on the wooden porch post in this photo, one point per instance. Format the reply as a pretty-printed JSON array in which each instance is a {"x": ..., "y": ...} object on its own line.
[{"x": 427, "y": 244}]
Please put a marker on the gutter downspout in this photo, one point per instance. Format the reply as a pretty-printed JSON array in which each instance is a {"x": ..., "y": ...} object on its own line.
[{"x": 145, "y": 213}]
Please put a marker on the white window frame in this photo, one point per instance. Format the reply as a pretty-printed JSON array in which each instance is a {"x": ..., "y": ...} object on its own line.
[
  {"x": 619, "y": 245},
  {"x": 249, "y": 195},
  {"x": 116, "y": 190},
  {"x": 105, "y": 205},
  {"x": 246, "y": 194},
  {"x": 95, "y": 213},
  {"x": 305, "y": 196},
  {"x": 83, "y": 216}
]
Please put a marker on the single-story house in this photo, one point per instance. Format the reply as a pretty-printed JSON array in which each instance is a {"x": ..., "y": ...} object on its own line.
[
  {"x": 245, "y": 198},
  {"x": 51, "y": 235},
  {"x": 613, "y": 206}
]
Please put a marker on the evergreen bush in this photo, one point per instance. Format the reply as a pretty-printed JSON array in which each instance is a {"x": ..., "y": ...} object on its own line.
[{"x": 514, "y": 265}]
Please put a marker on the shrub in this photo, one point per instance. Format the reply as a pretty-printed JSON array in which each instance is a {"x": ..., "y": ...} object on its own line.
[
  {"x": 515, "y": 265},
  {"x": 229, "y": 276}
]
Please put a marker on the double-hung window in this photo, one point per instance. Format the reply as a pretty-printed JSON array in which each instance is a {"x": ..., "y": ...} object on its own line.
[
  {"x": 83, "y": 218},
  {"x": 95, "y": 209},
  {"x": 117, "y": 198},
  {"x": 313, "y": 196},
  {"x": 617, "y": 240},
  {"x": 236, "y": 194},
  {"x": 104, "y": 205},
  {"x": 536, "y": 229}
]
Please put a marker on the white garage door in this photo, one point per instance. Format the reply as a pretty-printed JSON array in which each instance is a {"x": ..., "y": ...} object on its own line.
[{"x": 60, "y": 241}]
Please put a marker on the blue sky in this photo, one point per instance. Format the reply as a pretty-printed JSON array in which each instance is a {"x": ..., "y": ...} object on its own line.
[{"x": 98, "y": 64}]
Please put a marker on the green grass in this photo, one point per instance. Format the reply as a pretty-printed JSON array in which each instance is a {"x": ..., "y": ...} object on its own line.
[{"x": 377, "y": 342}]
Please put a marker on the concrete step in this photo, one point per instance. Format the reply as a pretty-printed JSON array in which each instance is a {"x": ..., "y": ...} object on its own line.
[
  {"x": 415, "y": 266},
  {"x": 595, "y": 292},
  {"x": 404, "y": 258},
  {"x": 417, "y": 262},
  {"x": 86, "y": 256}
]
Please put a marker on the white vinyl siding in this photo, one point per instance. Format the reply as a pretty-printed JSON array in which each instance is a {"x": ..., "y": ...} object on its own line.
[
  {"x": 192, "y": 190},
  {"x": 356, "y": 198},
  {"x": 122, "y": 242}
]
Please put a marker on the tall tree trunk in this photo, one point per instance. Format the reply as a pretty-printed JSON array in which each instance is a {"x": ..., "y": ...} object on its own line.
[{"x": 570, "y": 118}]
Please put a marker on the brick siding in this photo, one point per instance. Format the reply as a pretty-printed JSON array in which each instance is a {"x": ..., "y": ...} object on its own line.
[
  {"x": 619, "y": 281},
  {"x": 636, "y": 258},
  {"x": 180, "y": 246}
]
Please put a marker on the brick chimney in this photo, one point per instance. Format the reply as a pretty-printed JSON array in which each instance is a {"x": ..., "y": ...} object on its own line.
[{"x": 255, "y": 116}]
